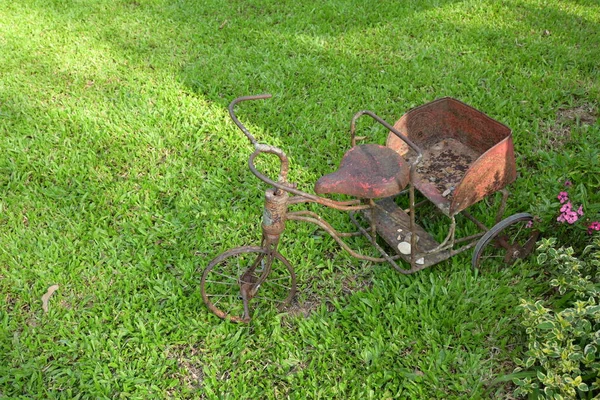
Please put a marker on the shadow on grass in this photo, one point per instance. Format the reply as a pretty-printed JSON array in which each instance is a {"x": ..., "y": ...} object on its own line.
[
  {"x": 134, "y": 168},
  {"x": 325, "y": 61}
]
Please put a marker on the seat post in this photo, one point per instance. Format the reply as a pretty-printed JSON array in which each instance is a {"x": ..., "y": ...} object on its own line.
[{"x": 373, "y": 220}]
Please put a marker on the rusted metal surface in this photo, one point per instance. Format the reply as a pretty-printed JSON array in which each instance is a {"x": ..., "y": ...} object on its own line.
[
  {"x": 401, "y": 137},
  {"x": 502, "y": 208},
  {"x": 235, "y": 119},
  {"x": 466, "y": 154},
  {"x": 274, "y": 212},
  {"x": 452, "y": 153},
  {"x": 301, "y": 196},
  {"x": 244, "y": 284},
  {"x": 282, "y": 184},
  {"x": 314, "y": 215},
  {"x": 442, "y": 168},
  {"x": 494, "y": 170},
  {"x": 509, "y": 238},
  {"x": 394, "y": 226},
  {"x": 479, "y": 224},
  {"x": 312, "y": 218},
  {"x": 368, "y": 171},
  {"x": 390, "y": 259}
]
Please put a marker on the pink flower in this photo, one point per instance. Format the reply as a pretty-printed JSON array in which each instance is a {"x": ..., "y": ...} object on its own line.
[
  {"x": 594, "y": 226},
  {"x": 529, "y": 224},
  {"x": 563, "y": 196},
  {"x": 566, "y": 208},
  {"x": 571, "y": 217},
  {"x": 568, "y": 183}
]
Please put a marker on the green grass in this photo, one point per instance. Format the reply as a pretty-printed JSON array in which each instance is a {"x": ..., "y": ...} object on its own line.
[{"x": 121, "y": 177}]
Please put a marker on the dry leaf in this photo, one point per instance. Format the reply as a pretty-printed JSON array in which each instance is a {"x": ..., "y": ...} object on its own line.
[{"x": 46, "y": 297}]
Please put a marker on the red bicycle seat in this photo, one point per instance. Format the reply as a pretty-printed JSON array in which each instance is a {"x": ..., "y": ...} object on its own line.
[{"x": 367, "y": 171}]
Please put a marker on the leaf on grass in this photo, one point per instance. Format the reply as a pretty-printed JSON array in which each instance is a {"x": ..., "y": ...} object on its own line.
[{"x": 46, "y": 297}]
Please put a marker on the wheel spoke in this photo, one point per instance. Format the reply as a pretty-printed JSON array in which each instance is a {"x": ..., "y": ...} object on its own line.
[
  {"x": 247, "y": 269},
  {"x": 225, "y": 276},
  {"x": 230, "y": 309},
  {"x": 268, "y": 299},
  {"x": 270, "y": 282},
  {"x": 222, "y": 283},
  {"x": 504, "y": 242},
  {"x": 279, "y": 279},
  {"x": 516, "y": 236},
  {"x": 221, "y": 297}
]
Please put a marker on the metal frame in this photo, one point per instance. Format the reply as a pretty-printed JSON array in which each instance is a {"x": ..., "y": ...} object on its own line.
[
  {"x": 283, "y": 194},
  {"x": 276, "y": 201}
]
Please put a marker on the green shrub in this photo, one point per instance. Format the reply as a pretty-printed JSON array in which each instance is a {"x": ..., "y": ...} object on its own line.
[{"x": 563, "y": 356}]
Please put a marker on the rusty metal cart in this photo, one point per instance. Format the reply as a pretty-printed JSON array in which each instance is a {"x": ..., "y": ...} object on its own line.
[{"x": 451, "y": 153}]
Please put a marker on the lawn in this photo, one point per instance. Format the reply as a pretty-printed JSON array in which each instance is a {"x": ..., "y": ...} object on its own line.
[{"x": 121, "y": 177}]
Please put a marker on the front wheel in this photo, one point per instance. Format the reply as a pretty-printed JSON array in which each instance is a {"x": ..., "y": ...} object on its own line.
[
  {"x": 245, "y": 279},
  {"x": 508, "y": 240}
]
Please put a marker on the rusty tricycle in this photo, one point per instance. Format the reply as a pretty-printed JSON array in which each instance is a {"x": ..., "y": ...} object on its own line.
[{"x": 451, "y": 153}]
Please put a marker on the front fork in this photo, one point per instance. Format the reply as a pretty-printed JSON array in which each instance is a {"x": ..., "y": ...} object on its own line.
[{"x": 273, "y": 225}]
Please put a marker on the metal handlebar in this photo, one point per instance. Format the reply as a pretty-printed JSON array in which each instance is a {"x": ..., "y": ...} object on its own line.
[
  {"x": 281, "y": 184},
  {"x": 301, "y": 195},
  {"x": 260, "y": 148},
  {"x": 237, "y": 121}
]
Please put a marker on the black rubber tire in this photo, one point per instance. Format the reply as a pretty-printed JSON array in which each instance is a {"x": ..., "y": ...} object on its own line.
[
  {"x": 493, "y": 234},
  {"x": 232, "y": 308}
]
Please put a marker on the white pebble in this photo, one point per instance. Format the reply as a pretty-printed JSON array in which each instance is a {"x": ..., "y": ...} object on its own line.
[
  {"x": 420, "y": 261},
  {"x": 404, "y": 247}
]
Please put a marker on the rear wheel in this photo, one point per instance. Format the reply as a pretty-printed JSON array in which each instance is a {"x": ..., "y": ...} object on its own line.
[
  {"x": 509, "y": 240},
  {"x": 245, "y": 281}
]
